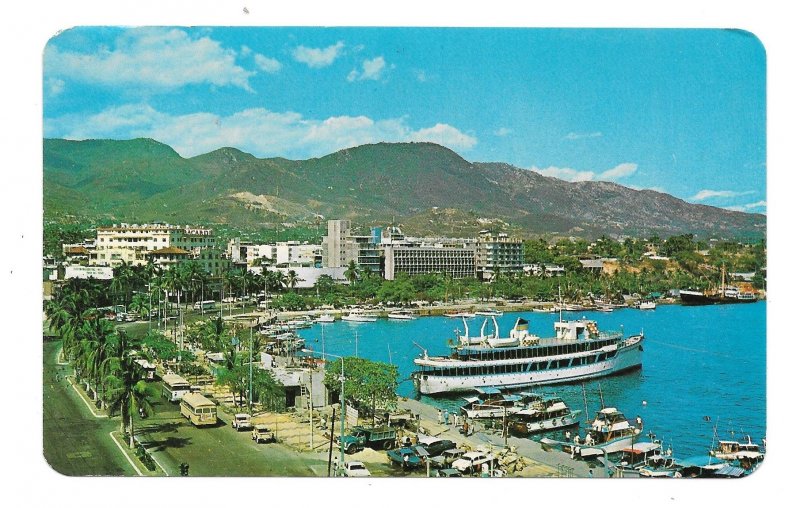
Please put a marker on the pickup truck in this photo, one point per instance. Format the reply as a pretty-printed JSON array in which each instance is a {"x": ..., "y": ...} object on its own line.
[
  {"x": 262, "y": 434},
  {"x": 364, "y": 437},
  {"x": 241, "y": 421}
]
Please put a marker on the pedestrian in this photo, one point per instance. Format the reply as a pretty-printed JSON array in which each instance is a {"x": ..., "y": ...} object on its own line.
[
  {"x": 567, "y": 436},
  {"x": 446, "y": 417},
  {"x": 439, "y": 416},
  {"x": 591, "y": 474}
]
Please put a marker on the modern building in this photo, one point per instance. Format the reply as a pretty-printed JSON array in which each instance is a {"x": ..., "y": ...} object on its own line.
[
  {"x": 414, "y": 259},
  {"x": 496, "y": 254},
  {"x": 340, "y": 246}
]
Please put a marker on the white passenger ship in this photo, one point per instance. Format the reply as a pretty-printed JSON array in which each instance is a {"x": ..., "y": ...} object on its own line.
[{"x": 579, "y": 351}]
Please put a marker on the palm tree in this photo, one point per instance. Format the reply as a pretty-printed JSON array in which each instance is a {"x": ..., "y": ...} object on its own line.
[
  {"x": 352, "y": 272},
  {"x": 292, "y": 279},
  {"x": 127, "y": 392}
]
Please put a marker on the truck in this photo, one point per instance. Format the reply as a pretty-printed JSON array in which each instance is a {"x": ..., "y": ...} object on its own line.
[
  {"x": 241, "y": 421},
  {"x": 381, "y": 438}
]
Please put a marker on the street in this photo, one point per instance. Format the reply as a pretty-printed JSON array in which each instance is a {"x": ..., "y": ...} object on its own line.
[{"x": 75, "y": 442}]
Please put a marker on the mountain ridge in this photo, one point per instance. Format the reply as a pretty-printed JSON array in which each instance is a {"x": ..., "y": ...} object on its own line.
[{"x": 145, "y": 180}]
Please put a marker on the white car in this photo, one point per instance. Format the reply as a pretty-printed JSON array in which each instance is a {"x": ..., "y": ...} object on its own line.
[
  {"x": 356, "y": 469},
  {"x": 471, "y": 462},
  {"x": 241, "y": 421}
]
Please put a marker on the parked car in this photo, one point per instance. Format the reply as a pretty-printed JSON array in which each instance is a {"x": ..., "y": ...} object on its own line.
[
  {"x": 356, "y": 469},
  {"x": 435, "y": 446},
  {"x": 448, "y": 473},
  {"x": 241, "y": 421},
  {"x": 471, "y": 462},
  {"x": 446, "y": 458},
  {"x": 262, "y": 434},
  {"x": 405, "y": 457}
]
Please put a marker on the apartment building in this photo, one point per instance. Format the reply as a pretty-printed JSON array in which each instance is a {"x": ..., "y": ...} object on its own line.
[
  {"x": 496, "y": 254},
  {"x": 131, "y": 243}
]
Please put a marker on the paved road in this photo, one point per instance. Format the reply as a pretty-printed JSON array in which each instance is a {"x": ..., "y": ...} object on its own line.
[
  {"x": 75, "y": 442},
  {"x": 219, "y": 450}
]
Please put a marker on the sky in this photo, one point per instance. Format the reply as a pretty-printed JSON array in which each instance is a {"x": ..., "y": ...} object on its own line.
[{"x": 681, "y": 111}]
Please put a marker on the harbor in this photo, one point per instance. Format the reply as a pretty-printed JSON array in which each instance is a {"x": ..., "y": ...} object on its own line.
[{"x": 670, "y": 394}]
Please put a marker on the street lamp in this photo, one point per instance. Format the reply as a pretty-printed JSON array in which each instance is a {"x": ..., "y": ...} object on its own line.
[{"x": 341, "y": 399}]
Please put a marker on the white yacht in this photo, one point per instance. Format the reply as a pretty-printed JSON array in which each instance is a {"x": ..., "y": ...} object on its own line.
[
  {"x": 579, "y": 351},
  {"x": 402, "y": 314},
  {"x": 609, "y": 432},
  {"x": 358, "y": 316},
  {"x": 325, "y": 318}
]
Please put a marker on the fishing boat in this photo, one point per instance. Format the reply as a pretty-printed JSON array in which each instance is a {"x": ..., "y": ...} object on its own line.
[
  {"x": 647, "y": 305},
  {"x": 578, "y": 351},
  {"x": 401, "y": 315},
  {"x": 491, "y": 403},
  {"x": 647, "y": 459},
  {"x": 724, "y": 293},
  {"x": 609, "y": 432},
  {"x": 358, "y": 316},
  {"x": 746, "y": 451},
  {"x": 325, "y": 318},
  {"x": 547, "y": 413}
]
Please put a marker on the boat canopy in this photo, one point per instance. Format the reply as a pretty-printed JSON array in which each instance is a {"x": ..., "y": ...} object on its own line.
[
  {"x": 488, "y": 390},
  {"x": 700, "y": 461},
  {"x": 730, "y": 471}
]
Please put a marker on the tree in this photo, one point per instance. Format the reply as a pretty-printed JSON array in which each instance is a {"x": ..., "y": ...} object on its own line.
[
  {"x": 127, "y": 392},
  {"x": 368, "y": 385},
  {"x": 292, "y": 279},
  {"x": 352, "y": 272}
]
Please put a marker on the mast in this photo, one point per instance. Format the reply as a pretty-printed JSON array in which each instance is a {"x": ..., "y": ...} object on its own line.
[
  {"x": 602, "y": 402},
  {"x": 585, "y": 404}
]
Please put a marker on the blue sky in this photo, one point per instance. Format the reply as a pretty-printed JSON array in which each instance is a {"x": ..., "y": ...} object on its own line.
[{"x": 680, "y": 111}]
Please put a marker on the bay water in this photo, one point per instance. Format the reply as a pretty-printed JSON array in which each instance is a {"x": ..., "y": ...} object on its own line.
[{"x": 703, "y": 370}]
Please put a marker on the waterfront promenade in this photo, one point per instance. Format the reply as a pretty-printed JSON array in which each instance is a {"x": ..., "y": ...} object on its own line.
[{"x": 551, "y": 463}]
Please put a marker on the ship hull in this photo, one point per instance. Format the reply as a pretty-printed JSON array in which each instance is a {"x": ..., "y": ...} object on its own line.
[{"x": 627, "y": 358}]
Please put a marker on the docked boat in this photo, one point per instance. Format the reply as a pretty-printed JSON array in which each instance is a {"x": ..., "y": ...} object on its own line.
[
  {"x": 325, "y": 318},
  {"x": 579, "y": 351},
  {"x": 609, "y": 432},
  {"x": 646, "y": 459},
  {"x": 547, "y": 413},
  {"x": 460, "y": 314},
  {"x": 489, "y": 312},
  {"x": 725, "y": 293},
  {"x": 746, "y": 451},
  {"x": 358, "y": 316},
  {"x": 401, "y": 315},
  {"x": 491, "y": 403},
  {"x": 647, "y": 305}
]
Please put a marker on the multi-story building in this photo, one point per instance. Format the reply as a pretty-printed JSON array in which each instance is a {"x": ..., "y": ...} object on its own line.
[
  {"x": 455, "y": 261},
  {"x": 134, "y": 243},
  {"x": 292, "y": 253},
  {"x": 341, "y": 246},
  {"x": 497, "y": 254}
]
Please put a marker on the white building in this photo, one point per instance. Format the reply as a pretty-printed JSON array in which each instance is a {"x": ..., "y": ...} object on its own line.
[{"x": 130, "y": 243}]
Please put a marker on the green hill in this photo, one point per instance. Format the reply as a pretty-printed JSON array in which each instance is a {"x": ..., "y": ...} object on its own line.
[{"x": 408, "y": 183}]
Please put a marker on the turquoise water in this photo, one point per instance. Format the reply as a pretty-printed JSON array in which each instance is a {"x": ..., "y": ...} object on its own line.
[{"x": 702, "y": 366}]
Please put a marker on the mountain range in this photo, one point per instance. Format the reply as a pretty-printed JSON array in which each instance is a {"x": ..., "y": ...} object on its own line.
[{"x": 424, "y": 187}]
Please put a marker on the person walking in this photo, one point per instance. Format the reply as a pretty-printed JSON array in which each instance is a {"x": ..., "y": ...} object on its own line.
[
  {"x": 446, "y": 417},
  {"x": 439, "y": 416}
]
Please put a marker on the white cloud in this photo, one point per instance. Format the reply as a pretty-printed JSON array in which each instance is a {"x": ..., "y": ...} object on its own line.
[
  {"x": 503, "y": 131},
  {"x": 370, "y": 69},
  {"x": 53, "y": 86},
  {"x": 152, "y": 58},
  {"x": 267, "y": 64},
  {"x": 748, "y": 207},
  {"x": 259, "y": 131},
  {"x": 705, "y": 194},
  {"x": 446, "y": 135},
  {"x": 318, "y": 57},
  {"x": 573, "y": 175},
  {"x": 568, "y": 174},
  {"x": 582, "y": 135},
  {"x": 621, "y": 171}
]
